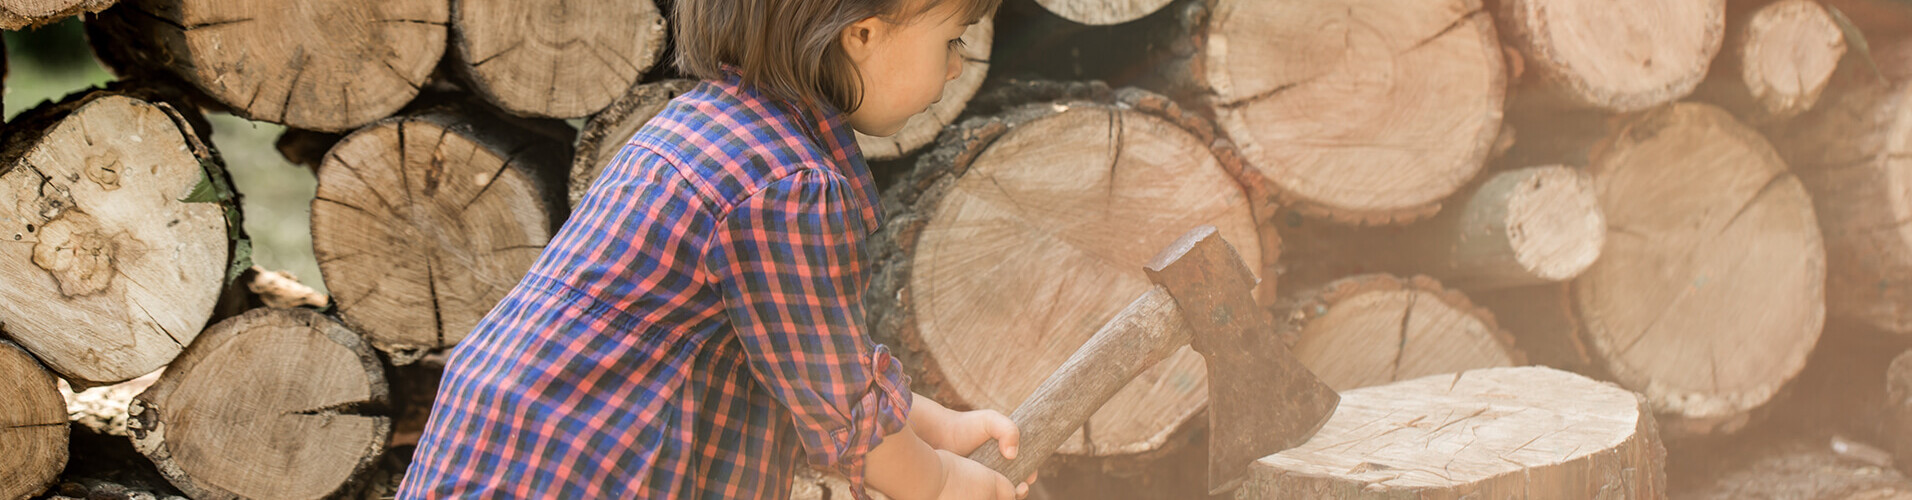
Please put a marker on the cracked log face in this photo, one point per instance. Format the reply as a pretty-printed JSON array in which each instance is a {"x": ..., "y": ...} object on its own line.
[
  {"x": 1004, "y": 253},
  {"x": 422, "y": 223},
  {"x": 1490, "y": 433},
  {"x": 1368, "y": 111},
  {"x": 1374, "y": 329},
  {"x": 273, "y": 403},
  {"x": 1711, "y": 290},
  {"x": 32, "y": 425},
  {"x": 608, "y": 131},
  {"x": 555, "y": 58},
  {"x": 923, "y": 127},
  {"x": 1622, "y": 56},
  {"x": 327, "y": 65},
  {"x": 108, "y": 276},
  {"x": 1102, "y": 12}
]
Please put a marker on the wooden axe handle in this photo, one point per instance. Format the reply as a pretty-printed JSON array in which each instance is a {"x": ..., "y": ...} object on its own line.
[{"x": 1141, "y": 335}]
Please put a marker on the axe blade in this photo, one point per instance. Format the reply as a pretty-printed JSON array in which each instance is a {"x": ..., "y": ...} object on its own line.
[{"x": 1261, "y": 399}]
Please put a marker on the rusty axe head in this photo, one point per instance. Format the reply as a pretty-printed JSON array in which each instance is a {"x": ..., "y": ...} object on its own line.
[{"x": 1261, "y": 399}]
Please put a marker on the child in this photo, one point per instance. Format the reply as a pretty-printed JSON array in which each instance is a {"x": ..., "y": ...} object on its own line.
[{"x": 697, "y": 326}]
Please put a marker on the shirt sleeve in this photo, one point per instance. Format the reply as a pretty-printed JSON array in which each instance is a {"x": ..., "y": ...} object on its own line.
[{"x": 789, "y": 262}]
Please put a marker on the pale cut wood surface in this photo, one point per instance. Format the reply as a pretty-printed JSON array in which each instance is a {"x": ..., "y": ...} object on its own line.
[
  {"x": 23, "y": 14},
  {"x": 921, "y": 129},
  {"x": 1368, "y": 111},
  {"x": 1786, "y": 56},
  {"x": 32, "y": 425},
  {"x": 608, "y": 130},
  {"x": 555, "y": 58},
  {"x": 422, "y": 223},
  {"x": 1102, "y": 12},
  {"x": 1374, "y": 329},
  {"x": 1521, "y": 227},
  {"x": 1021, "y": 235},
  {"x": 273, "y": 403},
  {"x": 1854, "y": 153},
  {"x": 1711, "y": 291},
  {"x": 327, "y": 65},
  {"x": 1525, "y": 432},
  {"x": 108, "y": 275},
  {"x": 1620, "y": 56}
]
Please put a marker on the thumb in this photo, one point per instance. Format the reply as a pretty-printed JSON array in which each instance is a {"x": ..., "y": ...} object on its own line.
[{"x": 1008, "y": 438}]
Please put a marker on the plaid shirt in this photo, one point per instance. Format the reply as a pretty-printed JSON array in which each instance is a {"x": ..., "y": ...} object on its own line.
[{"x": 693, "y": 329}]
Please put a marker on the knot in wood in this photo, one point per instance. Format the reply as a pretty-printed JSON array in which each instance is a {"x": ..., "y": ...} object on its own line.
[
  {"x": 104, "y": 168},
  {"x": 77, "y": 253}
]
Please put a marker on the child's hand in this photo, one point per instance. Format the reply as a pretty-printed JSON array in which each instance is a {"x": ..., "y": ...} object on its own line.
[
  {"x": 964, "y": 479},
  {"x": 963, "y": 432}
]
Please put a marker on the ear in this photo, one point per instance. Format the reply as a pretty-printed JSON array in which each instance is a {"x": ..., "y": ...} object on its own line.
[{"x": 859, "y": 38}]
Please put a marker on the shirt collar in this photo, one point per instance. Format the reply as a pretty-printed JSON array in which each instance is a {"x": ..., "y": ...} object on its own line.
[{"x": 829, "y": 129}]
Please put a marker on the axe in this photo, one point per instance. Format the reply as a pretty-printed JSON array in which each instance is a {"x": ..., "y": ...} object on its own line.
[{"x": 1261, "y": 400}]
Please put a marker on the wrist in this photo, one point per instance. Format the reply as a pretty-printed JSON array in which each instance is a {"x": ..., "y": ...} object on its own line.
[{"x": 946, "y": 464}]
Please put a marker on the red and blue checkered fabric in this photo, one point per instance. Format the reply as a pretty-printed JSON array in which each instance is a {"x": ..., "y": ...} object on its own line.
[{"x": 694, "y": 329}]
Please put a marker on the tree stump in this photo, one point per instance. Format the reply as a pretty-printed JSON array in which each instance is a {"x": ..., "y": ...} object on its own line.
[
  {"x": 1853, "y": 155},
  {"x": 326, "y": 65},
  {"x": 1622, "y": 57},
  {"x": 1374, "y": 329},
  {"x": 1370, "y": 111},
  {"x": 28, "y": 14},
  {"x": 273, "y": 403},
  {"x": 1711, "y": 290},
  {"x": 32, "y": 425},
  {"x": 1777, "y": 60},
  {"x": 1102, "y": 12},
  {"x": 554, "y": 58},
  {"x": 1021, "y": 234},
  {"x": 109, "y": 275},
  {"x": 421, "y": 223},
  {"x": 922, "y": 128},
  {"x": 1491, "y": 433},
  {"x": 607, "y": 132}
]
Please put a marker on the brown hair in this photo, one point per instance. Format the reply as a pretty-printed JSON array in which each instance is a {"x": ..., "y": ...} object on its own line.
[{"x": 790, "y": 49}]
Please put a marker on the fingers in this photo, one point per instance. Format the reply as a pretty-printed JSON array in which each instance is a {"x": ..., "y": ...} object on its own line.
[
  {"x": 1022, "y": 490},
  {"x": 1008, "y": 438},
  {"x": 1003, "y": 490}
]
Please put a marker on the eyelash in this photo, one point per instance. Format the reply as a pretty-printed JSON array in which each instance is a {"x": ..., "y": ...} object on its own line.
[{"x": 958, "y": 43}]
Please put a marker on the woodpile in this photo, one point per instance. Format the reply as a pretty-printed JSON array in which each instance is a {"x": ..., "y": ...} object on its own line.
[{"x": 1670, "y": 198}]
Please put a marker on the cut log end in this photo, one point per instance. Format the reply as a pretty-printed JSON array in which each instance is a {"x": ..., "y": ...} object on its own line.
[
  {"x": 607, "y": 132},
  {"x": 1031, "y": 229},
  {"x": 1102, "y": 12},
  {"x": 921, "y": 129},
  {"x": 1621, "y": 57},
  {"x": 33, "y": 426},
  {"x": 448, "y": 209},
  {"x": 280, "y": 403},
  {"x": 556, "y": 59},
  {"x": 1374, "y": 329},
  {"x": 1317, "y": 97},
  {"x": 1522, "y": 227},
  {"x": 89, "y": 200},
  {"x": 1492, "y": 432},
  {"x": 329, "y": 66},
  {"x": 1706, "y": 224},
  {"x": 29, "y": 14},
  {"x": 1786, "y": 57}
]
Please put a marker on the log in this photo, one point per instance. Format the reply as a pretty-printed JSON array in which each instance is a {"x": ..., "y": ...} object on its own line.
[
  {"x": 607, "y": 132},
  {"x": 554, "y": 58},
  {"x": 922, "y": 128},
  {"x": 1544, "y": 324},
  {"x": 326, "y": 65},
  {"x": 29, "y": 14},
  {"x": 32, "y": 425},
  {"x": 1710, "y": 292},
  {"x": 422, "y": 222},
  {"x": 1896, "y": 427},
  {"x": 279, "y": 403},
  {"x": 1490, "y": 433},
  {"x": 1375, "y": 329},
  {"x": 1801, "y": 465},
  {"x": 1021, "y": 234},
  {"x": 1368, "y": 112},
  {"x": 1622, "y": 57},
  {"x": 109, "y": 275},
  {"x": 1102, "y": 12},
  {"x": 1851, "y": 154},
  {"x": 1777, "y": 60}
]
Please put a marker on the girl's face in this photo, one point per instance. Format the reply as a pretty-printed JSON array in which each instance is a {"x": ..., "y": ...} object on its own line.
[{"x": 903, "y": 66}]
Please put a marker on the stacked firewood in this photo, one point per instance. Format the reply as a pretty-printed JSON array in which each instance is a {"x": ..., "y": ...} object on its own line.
[{"x": 1666, "y": 201}]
